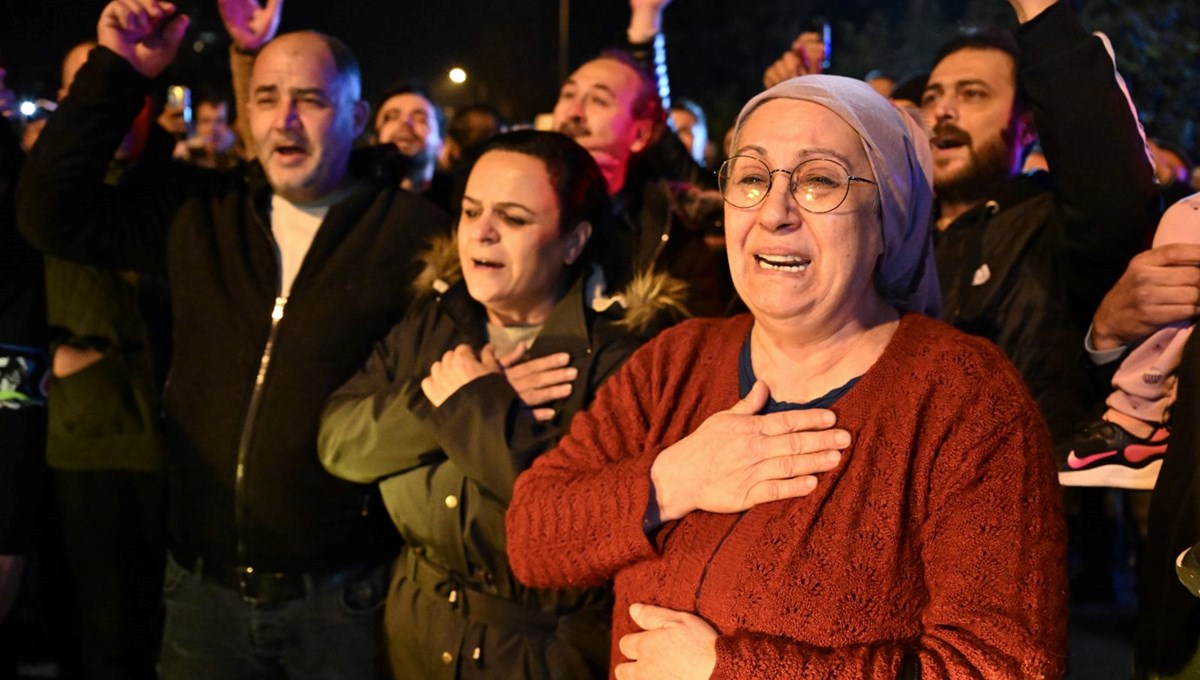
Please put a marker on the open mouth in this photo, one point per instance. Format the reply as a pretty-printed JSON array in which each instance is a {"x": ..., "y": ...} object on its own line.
[
  {"x": 486, "y": 264},
  {"x": 948, "y": 142},
  {"x": 949, "y": 137},
  {"x": 290, "y": 151},
  {"x": 783, "y": 263}
]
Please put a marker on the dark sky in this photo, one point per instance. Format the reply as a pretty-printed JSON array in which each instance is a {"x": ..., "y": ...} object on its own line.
[
  {"x": 509, "y": 48},
  {"x": 718, "y": 48}
]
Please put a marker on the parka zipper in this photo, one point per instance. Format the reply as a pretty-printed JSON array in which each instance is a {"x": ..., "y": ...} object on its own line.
[{"x": 239, "y": 496}]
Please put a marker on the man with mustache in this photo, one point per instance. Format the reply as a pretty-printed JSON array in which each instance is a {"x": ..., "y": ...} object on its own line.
[
  {"x": 611, "y": 106},
  {"x": 1025, "y": 259},
  {"x": 282, "y": 276}
]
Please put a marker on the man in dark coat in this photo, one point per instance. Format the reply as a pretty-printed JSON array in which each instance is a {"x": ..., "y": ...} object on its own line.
[
  {"x": 1024, "y": 259},
  {"x": 282, "y": 277}
]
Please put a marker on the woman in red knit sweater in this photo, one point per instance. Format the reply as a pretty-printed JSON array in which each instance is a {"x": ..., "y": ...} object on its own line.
[{"x": 833, "y": 486}]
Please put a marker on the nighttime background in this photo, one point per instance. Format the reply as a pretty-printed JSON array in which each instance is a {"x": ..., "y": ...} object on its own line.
[{"x": 717, "y": 49}]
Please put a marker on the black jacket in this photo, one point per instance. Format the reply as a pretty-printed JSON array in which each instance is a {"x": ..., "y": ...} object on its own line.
[
  {"x": 23, "y": 338},
  {"x": 654, "y": 236},
  {"x": 1168, "y": 622},
  {"x": 447, "y": 475},
  {"x": 250, "y": 371},
  {"x": 1028, "y": 268}
]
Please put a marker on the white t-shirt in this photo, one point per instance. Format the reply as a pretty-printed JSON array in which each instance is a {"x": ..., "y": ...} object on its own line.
[{"x": 294, "y": 227}]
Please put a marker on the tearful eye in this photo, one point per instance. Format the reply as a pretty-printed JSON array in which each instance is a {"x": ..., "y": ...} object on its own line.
[
  {"x": 752, "y": 180},
  {"x": 820, "y": 182}
]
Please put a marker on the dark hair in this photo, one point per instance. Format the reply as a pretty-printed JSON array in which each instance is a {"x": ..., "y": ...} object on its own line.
[
  {"x": 345, "y": 64},
  {"x": 989, "y": 39},
  {"x": 684, "y": 104},
  {"x": 470, "y": 137},
  {"x": 411, "y": 87},
  {"x": 344, "y": 61},
  {"x": 1177, "y": 150},
  {"x": 214, "y": 95},
  {"x": 578, "y": 184},
  {"x": 911, "y": 88},
  {"x": 647, "y": 105}
]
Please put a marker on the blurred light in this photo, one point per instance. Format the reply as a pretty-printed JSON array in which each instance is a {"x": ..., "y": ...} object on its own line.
[
  {"x": 28, "y": 108},
  {"x": 458, "y": 76},
  {"x": 198, "y": 46}
]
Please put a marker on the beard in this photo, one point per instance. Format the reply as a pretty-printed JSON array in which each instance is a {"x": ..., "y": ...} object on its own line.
[
  {"x": 988, "y": 166},
  {"x": 420, "y": 168}
]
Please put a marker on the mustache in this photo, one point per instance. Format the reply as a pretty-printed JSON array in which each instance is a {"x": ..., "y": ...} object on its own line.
[
  {"x": 287, "y": 140},
  {"x": 574, "y": 128},
  {"x": 949, "y": 134}
]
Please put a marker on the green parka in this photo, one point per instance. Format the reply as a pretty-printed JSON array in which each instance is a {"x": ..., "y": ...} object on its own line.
[{"x": 446, "y": 474}]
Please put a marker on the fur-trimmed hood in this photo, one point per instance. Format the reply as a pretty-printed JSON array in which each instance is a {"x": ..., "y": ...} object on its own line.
[{"x": 651, "y": 301}]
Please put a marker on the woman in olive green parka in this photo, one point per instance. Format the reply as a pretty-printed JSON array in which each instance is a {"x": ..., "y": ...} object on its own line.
[{"x": 483, "y": 375}]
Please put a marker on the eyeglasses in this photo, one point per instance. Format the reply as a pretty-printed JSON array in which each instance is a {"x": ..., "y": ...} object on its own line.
[{"x": 819, "y": 185}]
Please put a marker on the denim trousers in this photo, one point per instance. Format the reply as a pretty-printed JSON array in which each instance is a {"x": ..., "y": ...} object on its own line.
[{"x": 211, "y": 632}]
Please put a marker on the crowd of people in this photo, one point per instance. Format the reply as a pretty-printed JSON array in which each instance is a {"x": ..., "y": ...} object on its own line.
[{"x": 312, "y": 388}]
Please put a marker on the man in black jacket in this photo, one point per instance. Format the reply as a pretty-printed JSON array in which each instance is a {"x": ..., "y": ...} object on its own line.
[
  {"x": 610, "y": 106},
  {"x": 282, "y": 277},
  {"x": 1024, "y": 259}
]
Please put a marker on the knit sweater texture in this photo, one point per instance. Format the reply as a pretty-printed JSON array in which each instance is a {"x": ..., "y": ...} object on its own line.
[{"x": 938, "y": 537}]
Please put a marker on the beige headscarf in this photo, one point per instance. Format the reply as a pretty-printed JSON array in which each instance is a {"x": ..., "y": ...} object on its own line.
[{"x": 898, "y": 149}]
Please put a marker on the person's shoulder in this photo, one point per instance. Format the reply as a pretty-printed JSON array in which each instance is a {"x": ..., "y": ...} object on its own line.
[
  {"x": 959, "y": 371},
  {"x": 946, "y": 348},
  {"x": 701, "y": 336}
]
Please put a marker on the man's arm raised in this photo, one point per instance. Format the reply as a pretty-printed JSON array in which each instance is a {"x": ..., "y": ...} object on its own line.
[
  {"x": 64, "y": 207},
  {"x": 250, "y": 27},
  {"x": 145, "y": 33}
]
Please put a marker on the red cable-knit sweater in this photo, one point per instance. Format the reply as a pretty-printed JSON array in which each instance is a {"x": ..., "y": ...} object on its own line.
[{"x": 940, "y": 534}]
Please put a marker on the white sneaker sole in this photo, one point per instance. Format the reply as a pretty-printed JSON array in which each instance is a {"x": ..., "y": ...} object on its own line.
[
  {"x": 1113, "y": 477},
  {"x": 1188, "y": 577}
]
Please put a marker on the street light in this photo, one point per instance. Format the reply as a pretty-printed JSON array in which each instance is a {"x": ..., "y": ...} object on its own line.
[{"x": 458, "y": 76}]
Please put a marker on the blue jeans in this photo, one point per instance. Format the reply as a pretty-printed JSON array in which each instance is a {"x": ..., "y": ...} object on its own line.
[{"x": 211, "y": 632}]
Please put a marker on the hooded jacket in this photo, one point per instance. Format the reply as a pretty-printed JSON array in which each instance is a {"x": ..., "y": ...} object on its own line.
[{"x": 447, "y": 475}]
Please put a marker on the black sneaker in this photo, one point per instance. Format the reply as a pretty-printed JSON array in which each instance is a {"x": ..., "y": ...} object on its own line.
[
  {"x": 1104, "y": 454},
  {"x": 1187, "y": 566}
]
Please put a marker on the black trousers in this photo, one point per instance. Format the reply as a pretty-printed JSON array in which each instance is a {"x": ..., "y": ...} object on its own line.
[{"x": 114, "y": 549}]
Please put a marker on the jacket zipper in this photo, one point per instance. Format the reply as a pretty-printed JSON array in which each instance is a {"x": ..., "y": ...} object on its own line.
[
  {"x": 243, "y": 456},
  {"x": 264, "y": 363},
  {"x": 664, "y": 236}
]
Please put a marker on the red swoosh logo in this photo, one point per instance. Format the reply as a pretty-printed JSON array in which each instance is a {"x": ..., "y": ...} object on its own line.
[
  {"x": 1075, "y": 462},
  {"x": 1137, "y": 453}
]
